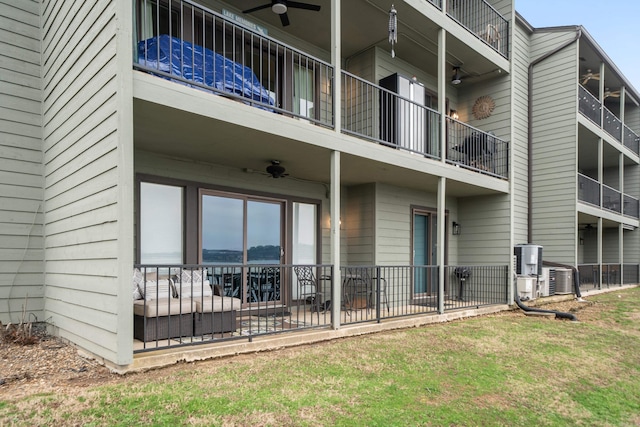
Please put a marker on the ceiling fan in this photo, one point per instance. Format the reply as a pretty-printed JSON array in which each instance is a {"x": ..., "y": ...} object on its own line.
[
  {"x": 275, "y": 170},
  {"x": 614, "y": 94},
  {"x": 280, "y": 7},
  {"x": 589, "y": 75}
]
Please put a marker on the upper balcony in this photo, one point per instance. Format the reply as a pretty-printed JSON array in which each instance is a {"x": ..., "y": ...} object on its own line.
[
  {"x": 594, "y": 110},
  {"x": 225, "y": 54},
  {"x": 601, "y": 195}
]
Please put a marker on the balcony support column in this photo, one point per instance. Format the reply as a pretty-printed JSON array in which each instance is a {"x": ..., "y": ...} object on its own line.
[
  {"x": 621, "y": 252},
  {"x": 336, "y": 55},
  {"x": 442, "y": 98},
  {"x": 334, "y": 214},
  {"x": 600, "y": 252},
  {"x": 600, "y": 166},
  {"x": 440, "y": 255}
]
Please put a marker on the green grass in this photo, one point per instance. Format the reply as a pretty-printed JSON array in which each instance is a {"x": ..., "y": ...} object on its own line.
[{"x": 503, "y": 370}]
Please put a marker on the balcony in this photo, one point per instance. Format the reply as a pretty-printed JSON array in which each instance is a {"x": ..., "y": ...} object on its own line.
[
  {"x": 590, "y": 107},
  {"x": 205, "y": 50},
  {"x": 612, "y": 200},
  {"x": 482, "y": 20}
]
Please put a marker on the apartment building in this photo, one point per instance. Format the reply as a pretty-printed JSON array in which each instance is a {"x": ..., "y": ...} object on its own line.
[{"x": 263, "y": 167}]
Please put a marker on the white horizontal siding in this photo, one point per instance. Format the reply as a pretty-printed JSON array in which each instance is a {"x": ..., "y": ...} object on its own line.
[{"x": 21, "y": 181}]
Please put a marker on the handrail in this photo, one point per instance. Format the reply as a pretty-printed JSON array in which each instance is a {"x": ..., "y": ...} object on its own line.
[
  {"x": 483, "y": 20},
  {"x": 381, "y": 115},
  {"x": 475, "y": 149}
]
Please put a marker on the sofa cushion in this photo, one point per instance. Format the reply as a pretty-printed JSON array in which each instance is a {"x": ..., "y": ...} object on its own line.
[
  {"x": 162, "y": 307},
  {"x": 192, "y": 284},
  {"x": 156, "y": 290},
  {"x": 215, "y": 303}
]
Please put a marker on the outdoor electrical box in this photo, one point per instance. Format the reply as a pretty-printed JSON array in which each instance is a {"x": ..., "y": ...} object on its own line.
[{"x": 528, "y": 260}]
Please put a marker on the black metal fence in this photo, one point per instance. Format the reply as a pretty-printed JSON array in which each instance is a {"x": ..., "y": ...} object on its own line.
[{"x": 178, "y": 305}]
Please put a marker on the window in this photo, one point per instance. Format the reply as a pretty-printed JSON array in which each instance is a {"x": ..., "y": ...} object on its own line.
[{"x": 161, "y": 224}]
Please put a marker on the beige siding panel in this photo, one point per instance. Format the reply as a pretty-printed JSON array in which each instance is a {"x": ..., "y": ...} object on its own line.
[
  {"x": 393, "y": 222},
  {"x": 97, "y": 183},
  {"x": 358, "y": 225},
  {"x": 555, "y": 142},
  {"x": 485, "y": 237},
  {"x": 81, "y": 99},
  {"x": 87, "y": 220},
  {"x": 21, "y": 182},
  {"x": 520, "y": 53}
]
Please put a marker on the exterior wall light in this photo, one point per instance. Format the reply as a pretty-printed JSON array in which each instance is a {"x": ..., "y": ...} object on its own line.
[
  {"x": 453, "y": 114},
  {"x": 455, "y": 228}
]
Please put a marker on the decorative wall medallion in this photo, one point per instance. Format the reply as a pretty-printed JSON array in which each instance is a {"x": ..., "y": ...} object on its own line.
[{"x": 483, "y": 107}]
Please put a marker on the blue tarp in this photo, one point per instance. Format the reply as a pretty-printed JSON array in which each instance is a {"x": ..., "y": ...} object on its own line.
[{"x": 215, "y": 71}]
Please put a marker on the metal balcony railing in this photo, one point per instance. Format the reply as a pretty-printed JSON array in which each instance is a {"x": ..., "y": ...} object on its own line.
[
  {"x": 477, "y": 150},
  {"x": 180, "y": 305},
  {"x": 630, "y": 274},
  {"x": 613, "y": 200},
  {"x": 190, "y": 44},
  {"x": 481, "y": 19},
  {"x": 611, "y": 124},
  {"x": 588, "y": 190},
  {"x": 589, "y": 105},
  {"x": 372, "y": 112},
  {"x": 631, "y": 206},
  {"x": 631, "y": 139}
]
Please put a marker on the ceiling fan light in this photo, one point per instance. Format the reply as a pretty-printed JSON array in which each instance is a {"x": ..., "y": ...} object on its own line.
[
  {"x": 455, "y": 80},
  {"x": 279, "y": 8}
]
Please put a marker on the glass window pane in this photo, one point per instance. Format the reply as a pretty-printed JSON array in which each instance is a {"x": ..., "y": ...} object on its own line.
[
  {"x": 304, "y": 233},
  {"x": 161, "y": 224},
  {"x": 222, "y": 230},
  {"x": 263, "y": 232}
]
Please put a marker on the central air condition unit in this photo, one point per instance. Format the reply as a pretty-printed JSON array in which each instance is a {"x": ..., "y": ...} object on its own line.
[
  {"x": 528, "y": 260},
  {"x": 564, "y": 279}
]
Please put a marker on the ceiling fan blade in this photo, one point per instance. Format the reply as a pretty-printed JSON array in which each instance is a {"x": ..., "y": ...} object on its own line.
[
  {"x": 306, "y": 6},
  {"x": 284, "y": 18},
  {"x": 264, "y": 6},
  {"x": 585, "y": 80}
]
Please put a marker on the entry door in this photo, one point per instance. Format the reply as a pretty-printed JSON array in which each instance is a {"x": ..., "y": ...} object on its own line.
[
  {"x": 425, "y": 245},
  {"x": 238, "y": 231}
]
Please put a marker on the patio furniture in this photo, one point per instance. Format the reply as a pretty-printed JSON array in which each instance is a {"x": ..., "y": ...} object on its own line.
[{"x": 307, "y": 286}]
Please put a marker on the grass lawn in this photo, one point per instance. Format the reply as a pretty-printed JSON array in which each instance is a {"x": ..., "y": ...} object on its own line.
[{"x": 500, "y": 370}]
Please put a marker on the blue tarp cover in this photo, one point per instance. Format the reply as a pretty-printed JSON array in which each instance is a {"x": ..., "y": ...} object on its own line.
[{"x": 187, "y": 62}]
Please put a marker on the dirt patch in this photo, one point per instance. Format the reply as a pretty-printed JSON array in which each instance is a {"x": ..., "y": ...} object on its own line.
[{"x": 47, "y": 365}]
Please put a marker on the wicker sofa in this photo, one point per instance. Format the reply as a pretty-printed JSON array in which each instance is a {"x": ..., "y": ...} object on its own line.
[
  {"x": 212, "y": 312},
  {"x": 181, "y": 305},
  {"x": 162, "y": 318}
]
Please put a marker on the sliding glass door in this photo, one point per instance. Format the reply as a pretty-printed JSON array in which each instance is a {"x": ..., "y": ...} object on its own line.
[{"x": 239, "y": 230}]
